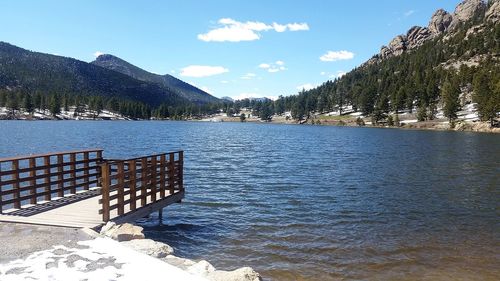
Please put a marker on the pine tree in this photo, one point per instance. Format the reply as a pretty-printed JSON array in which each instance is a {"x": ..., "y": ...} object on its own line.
[
  {"x": 28, "y": 104},
  {"x": 12, "y": 102},
  {"x": 450, "y": 93},
  {"x": 487, "y": 97},
  {"x": 54, "y": 105}
]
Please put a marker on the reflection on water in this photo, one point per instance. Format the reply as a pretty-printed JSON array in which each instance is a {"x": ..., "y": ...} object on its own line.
[{"x": 313, "y": 203}]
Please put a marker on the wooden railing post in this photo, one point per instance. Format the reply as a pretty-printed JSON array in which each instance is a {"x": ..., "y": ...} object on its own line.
[
  {"x": 162, "y": 176},
  {"x": 46, "y": 180},
  {"x": 181, "y": 170},
  {"x": 60, "y": 177},
  {"x": 72, "y": 159},
  {"x": 86, "y": 172},
  {"x": 132, "y": 176},
  {"x": 33, "y": 181},
  {"x": 144, "y": 191},
  {"x": 171, "y": 173},
  {"x": 105, "y": 182},
  {"x": 153, "y": 179},
  {"x": 15, "y": 186},
  {"x": 120, "y": 187}
]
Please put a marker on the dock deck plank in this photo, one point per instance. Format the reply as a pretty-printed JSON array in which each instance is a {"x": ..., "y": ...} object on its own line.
[{"x": 83, "y": 213}]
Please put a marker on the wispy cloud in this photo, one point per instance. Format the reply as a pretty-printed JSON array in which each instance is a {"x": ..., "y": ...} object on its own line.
[
  {"x": 337, "y": 55},
  {"x": 409, "y": 13},
  {"x": 202, "y": 70},
  {"x": 273, "y": 67},
  {"x": 337, "y": 74},
  {"x": 230, "y": 30},
  {"x": 248, "y": 76}
]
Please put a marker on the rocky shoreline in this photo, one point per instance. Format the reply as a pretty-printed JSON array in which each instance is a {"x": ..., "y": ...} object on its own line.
[
  {"x": 118, "y": 252},
  {"x": 132, "y": 237}
]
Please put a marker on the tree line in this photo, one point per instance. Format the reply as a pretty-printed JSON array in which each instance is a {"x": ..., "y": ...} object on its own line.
[{"x": 422, "y": 79}]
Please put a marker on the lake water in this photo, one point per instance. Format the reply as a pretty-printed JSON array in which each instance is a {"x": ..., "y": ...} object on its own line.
[{"x": 312, "y": 202}]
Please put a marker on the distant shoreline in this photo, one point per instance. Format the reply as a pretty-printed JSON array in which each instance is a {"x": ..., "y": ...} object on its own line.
[{"x": 460, "y": 126}]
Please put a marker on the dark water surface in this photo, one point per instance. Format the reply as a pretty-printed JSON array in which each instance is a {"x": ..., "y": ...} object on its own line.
[{"x": 312, "y": 202}]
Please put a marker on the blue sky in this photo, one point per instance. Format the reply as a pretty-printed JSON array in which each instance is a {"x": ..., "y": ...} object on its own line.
[{"x": 229, "y": 48}]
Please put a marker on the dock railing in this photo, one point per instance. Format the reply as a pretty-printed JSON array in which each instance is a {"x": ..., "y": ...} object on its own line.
[
  {"x": 34, "y": 179},
  {"x": 127, "y": 185}
]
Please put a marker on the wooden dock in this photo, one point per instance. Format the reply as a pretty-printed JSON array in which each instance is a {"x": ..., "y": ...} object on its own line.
[{"x": 81, "y": 189}]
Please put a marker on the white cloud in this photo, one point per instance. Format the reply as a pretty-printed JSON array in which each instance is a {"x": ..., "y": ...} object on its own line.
[
  {"x": 337, "y": 55},
  {"x": 248, "y": 76},
  {"x": 307, "y": 86},
  {"x": 172, "y": 71},
  {"x": 202, "y": 70},
  {"x": 409, "y": 13},
  {"x": 98, "y": 53},
  {"x": 231, "y": 30},
  {"x": 298, "y": 26},
  {"x": 279, "y": 27},
  {"x": 273, "y": 67},
  {"x": 337, "y": 74},
  {"x": 224, "y": 82}
]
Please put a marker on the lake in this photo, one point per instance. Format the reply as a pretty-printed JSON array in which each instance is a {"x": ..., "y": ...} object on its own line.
[{"x": 311, "y": 202}]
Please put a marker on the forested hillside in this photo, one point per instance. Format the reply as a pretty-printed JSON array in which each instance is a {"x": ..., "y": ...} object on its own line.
[
  {"x": 32, "y": 81},
  {"x": 453, "y": 62},
  {"x": 180, "y": 87}
]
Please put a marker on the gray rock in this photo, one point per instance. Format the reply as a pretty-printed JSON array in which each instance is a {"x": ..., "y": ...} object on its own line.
[
  {"x": 149, "y": 247},
  {"x": 181, "y": 263},
  {"x": 440, "y": 22},
  {"x": 108, "y": 228},
  {"x": 416, "y": 36},
  {"x": 201, "y": 268},
  {"x": 493, "y": 13},
  {"x": 241, "y": 274},
  {"x": 123, "y": 232},
  {"x": 398, "y": 45},
  {"x": 467, "y": 10}
]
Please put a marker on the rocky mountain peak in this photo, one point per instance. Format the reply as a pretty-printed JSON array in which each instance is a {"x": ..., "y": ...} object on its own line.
[
  {"x": 493, "y": 13},
  {"x": 440, "y": 22},
  {"x": 466, "y": 10}
]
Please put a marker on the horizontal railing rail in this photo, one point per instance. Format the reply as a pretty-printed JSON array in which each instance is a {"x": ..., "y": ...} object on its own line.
[
  {"x": 30, "y": 180},
  {"x": 127, "y": 185}
]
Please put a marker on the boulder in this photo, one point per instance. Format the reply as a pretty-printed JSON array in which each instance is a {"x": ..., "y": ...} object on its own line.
[
  {"x": 493, "y": 13},
  {"x": 181, "y": 263},
  {"x": 123, "y": 232},
  {"x": 201, "y": 268},
  {"x": 440, "y": 22},
  {"x": 241, "y": 274},
  {"x": 150, "y": 247},
  {"x": 416, "y": 36},
  {"x": 395, "y": 48},
  {"x": 398, "y": 45},
  {"x": 466, "y": 11},
  {"x": 108, "y": 228}
]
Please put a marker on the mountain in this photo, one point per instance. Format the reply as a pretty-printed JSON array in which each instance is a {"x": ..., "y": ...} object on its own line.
[
  {"x": 441, "y": 23},
  {"x": 454, "y": 62},
  {"x": 180, "y": 87},
  {"x": 29, "y": 71}
]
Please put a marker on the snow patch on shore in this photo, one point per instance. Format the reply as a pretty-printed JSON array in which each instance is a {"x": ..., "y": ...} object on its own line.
[{"x": 98, "y": 259}]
